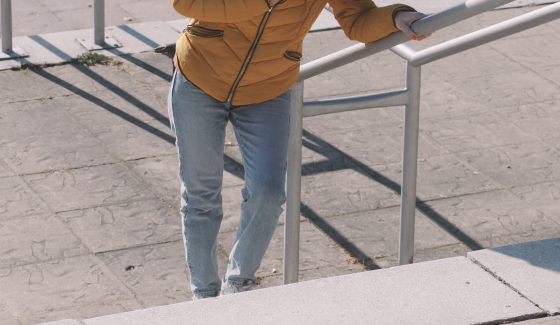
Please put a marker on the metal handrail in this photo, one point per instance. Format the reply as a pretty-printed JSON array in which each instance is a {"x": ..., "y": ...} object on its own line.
[
  {"x": 424, "y": 26},
  {"x": 410, "y": 97}
]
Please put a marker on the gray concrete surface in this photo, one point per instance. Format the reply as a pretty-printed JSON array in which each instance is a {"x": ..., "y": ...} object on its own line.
[
  {"x": 532, "y": 269},
  {"x": 89, "y": 187},
  {"x": 64, "y": 322},
  {"x": 448, "y": 291}
]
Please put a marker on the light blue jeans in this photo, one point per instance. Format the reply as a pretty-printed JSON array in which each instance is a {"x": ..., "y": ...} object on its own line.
[{"x": 199, "y": 122}]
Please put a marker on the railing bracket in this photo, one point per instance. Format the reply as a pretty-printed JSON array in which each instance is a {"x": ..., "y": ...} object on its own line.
[
  {"x": 16, "y": 53},
  {"x": 90, "y": 45}
]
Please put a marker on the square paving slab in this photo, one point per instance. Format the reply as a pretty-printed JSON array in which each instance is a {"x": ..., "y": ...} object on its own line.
[
  {"x": 88, "y": 187},
  {"x": 533, "y": 269},
  {"x": 124, "y": 225},
  {"x": 35, "y": 239},
  {"x": 59, "y": 284}
]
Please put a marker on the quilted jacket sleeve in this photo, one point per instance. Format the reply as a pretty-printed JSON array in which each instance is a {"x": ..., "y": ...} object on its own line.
[
  {"x": 221, "y": 11},
  {"x": 363, "y": 21}
]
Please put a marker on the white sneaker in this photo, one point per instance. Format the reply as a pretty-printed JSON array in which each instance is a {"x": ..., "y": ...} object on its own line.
[
  {"x": 197, "y": 297},
  {"x": 228, "y": 288}
]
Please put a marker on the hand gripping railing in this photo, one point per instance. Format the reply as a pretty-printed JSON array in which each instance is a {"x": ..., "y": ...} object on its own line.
[{"x": 410, "y": 97}]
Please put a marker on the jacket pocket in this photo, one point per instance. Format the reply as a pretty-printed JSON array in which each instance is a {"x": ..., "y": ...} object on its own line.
[
  {"x": 203, "y": 32},
  {"x": 294, "y": 56}
]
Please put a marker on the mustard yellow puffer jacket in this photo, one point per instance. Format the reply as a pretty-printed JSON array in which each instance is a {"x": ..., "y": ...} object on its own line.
[{"x": 246, "y": 52}]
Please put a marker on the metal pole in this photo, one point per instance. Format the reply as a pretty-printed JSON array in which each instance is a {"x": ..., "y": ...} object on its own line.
[
  {"x": 293, "y": 188},
  {"x": 99, "y": 22},
  {"x": 99, "y": 40},
  {"x": 410, "y": 159},
  {"x": 6, "y": 26},
  {"x": 330, "y": 106}
]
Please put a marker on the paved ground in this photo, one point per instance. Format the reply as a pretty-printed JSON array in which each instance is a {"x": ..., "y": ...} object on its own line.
[{"x": 89, "y": 219}]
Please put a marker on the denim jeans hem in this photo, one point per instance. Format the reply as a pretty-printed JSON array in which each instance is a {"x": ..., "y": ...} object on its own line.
[
  {"x": 238, "y": 283},
  {"x": 207, "y": 294}
]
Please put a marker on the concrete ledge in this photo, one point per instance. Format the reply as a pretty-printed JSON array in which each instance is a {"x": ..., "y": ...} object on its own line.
[
  {"x": 533, "y": 269},
  {"x": 448, "y": 291},
  {"x": 63, "y": 47},
  {"x": 64, "y": 322}
]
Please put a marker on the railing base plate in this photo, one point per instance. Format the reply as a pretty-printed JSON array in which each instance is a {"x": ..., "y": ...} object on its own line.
[
  {"x": 17, "y": 53},
  {"x": 89, "y": 44}
]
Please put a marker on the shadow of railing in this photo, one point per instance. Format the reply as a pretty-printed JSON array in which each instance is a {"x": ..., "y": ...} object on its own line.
[
  {"x": 317, "y": 143},
  {"x": 110, "y": 108},
  {"x": 310, "y": 141}
]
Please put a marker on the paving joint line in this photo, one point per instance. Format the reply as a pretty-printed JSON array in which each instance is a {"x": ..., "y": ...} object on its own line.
[
  {"x": 137, "y": 246},
  {"x": 503, "y": 281},
  {"x": 63, "y": 170},
  {"x": 108, "y": 205}
]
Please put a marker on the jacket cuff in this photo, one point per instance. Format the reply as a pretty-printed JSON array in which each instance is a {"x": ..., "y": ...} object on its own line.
[{"x": 398, "y": 8}]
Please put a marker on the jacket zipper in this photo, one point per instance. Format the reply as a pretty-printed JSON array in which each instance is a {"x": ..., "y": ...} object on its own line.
[{"x": 250, "y": 54}]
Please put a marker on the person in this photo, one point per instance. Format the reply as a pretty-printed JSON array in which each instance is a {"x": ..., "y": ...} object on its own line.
[{"x": 236, "y": 61}]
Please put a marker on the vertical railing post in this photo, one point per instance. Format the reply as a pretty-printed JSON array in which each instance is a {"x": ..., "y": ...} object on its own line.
[
  {"x": 6, "y": 8},
  {"x": 99, "y": 22},
  {"x": 99, "y": 40},
  {"x": 410, "y": 160},
  {"x": 293, "y": 188},
  {"x": 9, "y": 51}
]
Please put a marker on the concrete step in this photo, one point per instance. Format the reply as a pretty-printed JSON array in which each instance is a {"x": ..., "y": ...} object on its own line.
[{"x": 517, "y": 283}]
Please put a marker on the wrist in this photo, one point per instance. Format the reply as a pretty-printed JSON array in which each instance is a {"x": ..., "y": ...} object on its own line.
[{"x": 399, "y": 10}]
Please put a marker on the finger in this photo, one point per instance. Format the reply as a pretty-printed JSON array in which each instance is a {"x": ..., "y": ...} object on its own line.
[
  {"x": 412, "y": 19},
  {"x": 408, "y": 32},
  {"x": 424, "y": 36}
]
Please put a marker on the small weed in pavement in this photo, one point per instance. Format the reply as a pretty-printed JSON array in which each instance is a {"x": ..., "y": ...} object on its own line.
[{"x": 90, "y": 58}]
